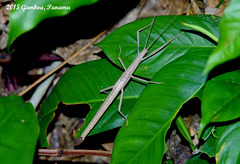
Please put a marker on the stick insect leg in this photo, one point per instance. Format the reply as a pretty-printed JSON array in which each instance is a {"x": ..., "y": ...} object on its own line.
[
  {"x": 146, "y": 81},
  {"x": 160, "y": 48},
  {"x": 138, "y": 38},
  {"x": 119, "y": 59},
  {"x": 105, "y": 89},
  {"x": 119, "y": 107}
]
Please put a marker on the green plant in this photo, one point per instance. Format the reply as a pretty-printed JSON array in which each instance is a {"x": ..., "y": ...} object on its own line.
[
  {"x": 27, "y": 14},
  {"x": 19, "y": 126},
  {"x": 179, "y": 66},
  {"x": 151, "y": 108},
  {"x": 19, "y": 130}
]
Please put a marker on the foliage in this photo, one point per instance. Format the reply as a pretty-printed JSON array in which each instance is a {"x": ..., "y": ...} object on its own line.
[
  {"x": 27, "y": 14},
  {"x": 220, "y": 99},
  {"x": 182, "y": 66},
  {"x": 227, "y": 48},
  {"x": 153, "y": 107},
  {"x": 19, "y": 130},
  {"x": 75, "y": 87}
]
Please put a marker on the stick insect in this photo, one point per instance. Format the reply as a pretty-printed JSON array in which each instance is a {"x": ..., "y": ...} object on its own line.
[{"x": 120, "y": 84}]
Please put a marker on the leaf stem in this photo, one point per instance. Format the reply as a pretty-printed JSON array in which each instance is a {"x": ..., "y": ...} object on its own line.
[{"x": 200, "y": 29}]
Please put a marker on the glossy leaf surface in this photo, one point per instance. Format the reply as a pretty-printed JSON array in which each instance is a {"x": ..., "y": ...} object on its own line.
[
  {"x": 167, "y": 27},
  {"x": 227, "y": 143},
  {"x": 221, "y": 99},
  {"x": 19, "y": 130},
  {"x": 27, "y": 14},
  {"x": 228, "y": 45},
  {"x": 209, "y": 147},
  {"x": 179, "y": 66},
  {"x": 155, "y": 109},
  {"x": 82, "y": 84}
]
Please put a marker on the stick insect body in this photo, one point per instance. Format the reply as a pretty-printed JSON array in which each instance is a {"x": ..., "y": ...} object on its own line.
[{"x": 124, "y": 79}]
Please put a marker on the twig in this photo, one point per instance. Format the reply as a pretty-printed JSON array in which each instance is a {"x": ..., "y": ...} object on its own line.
[
  {"x": 60, "y": 66},
  {"x": 68, "y": 152}
]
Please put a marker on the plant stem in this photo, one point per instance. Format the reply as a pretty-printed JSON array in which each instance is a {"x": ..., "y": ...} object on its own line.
[{"x": 67, "y": 152}]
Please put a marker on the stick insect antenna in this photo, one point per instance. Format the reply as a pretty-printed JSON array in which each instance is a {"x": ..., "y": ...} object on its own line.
[
  {"x": 149, "y": 33},
  {"x": 160, "y": 34}
]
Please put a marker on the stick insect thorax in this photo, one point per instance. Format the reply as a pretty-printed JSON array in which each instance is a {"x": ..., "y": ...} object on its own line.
[{"x": 124, "y": 79}]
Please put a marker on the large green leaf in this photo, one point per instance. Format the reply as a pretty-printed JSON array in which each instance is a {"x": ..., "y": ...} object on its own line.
[
  {"x": 228, "y": 45},
  {"x": 179, "y": 66},
  {"x": 27, "y": 14},
  {"x": 170, "y": 26},
  {"x": 220, "y": 99},
  {"x": 143, "y": 141},
  {"x": 82, "y": 84},
  {"x": 227, "y": 144},
  {"x": 19, "y": 130}
]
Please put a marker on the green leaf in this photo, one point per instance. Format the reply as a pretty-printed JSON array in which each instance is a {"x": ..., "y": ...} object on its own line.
[
  {"x": 221, "y": 99},
  {"x": 197, "y": 160},
  {"x": 184, "y": 131},
  {"x": 82, "y": 84},
  {"x": 179, "y": 66},
  {"x": 19, "y": 130},
  {"x": 23, "y": 18},
  {"x": 126, "y": 38},
  {"x": 228, "y": 45},
  {"x": 227, "y": 143},
  {"x": 143, "y": 141},
  {"x": 207, "y": 132},
  {"x": 209, "y": 147}
]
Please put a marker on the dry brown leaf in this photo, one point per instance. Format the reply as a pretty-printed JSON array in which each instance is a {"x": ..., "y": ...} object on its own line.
[
  {"x": 164, "y": 7},
  {"x": 3, "y": 40},
  {"x": 181, "y": 155},
  {"x": 212, "y": 3},
  {"x": 172, "y": 143},
  {"x": 221, "y": 8},
  {"x": 108, "y": 146},
  {"x": 195, "y": 140},
  {"x": 4, "y": 14},
  {"x": 193, "y": 124},
  {"x": 87, "y": 55},
  {"x": 195, "y": 6}
]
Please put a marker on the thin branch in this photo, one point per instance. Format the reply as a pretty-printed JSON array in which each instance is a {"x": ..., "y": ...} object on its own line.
[
  {"x": 68, "y": 152},
  {"x": 60, "y": 66}
]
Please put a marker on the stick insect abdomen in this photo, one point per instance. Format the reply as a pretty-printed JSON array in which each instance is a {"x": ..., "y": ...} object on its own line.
[
  {"x": 108, "y": 101},
  {"x": 124, "y": 79},
  {"x": 118, "y": 86}
]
